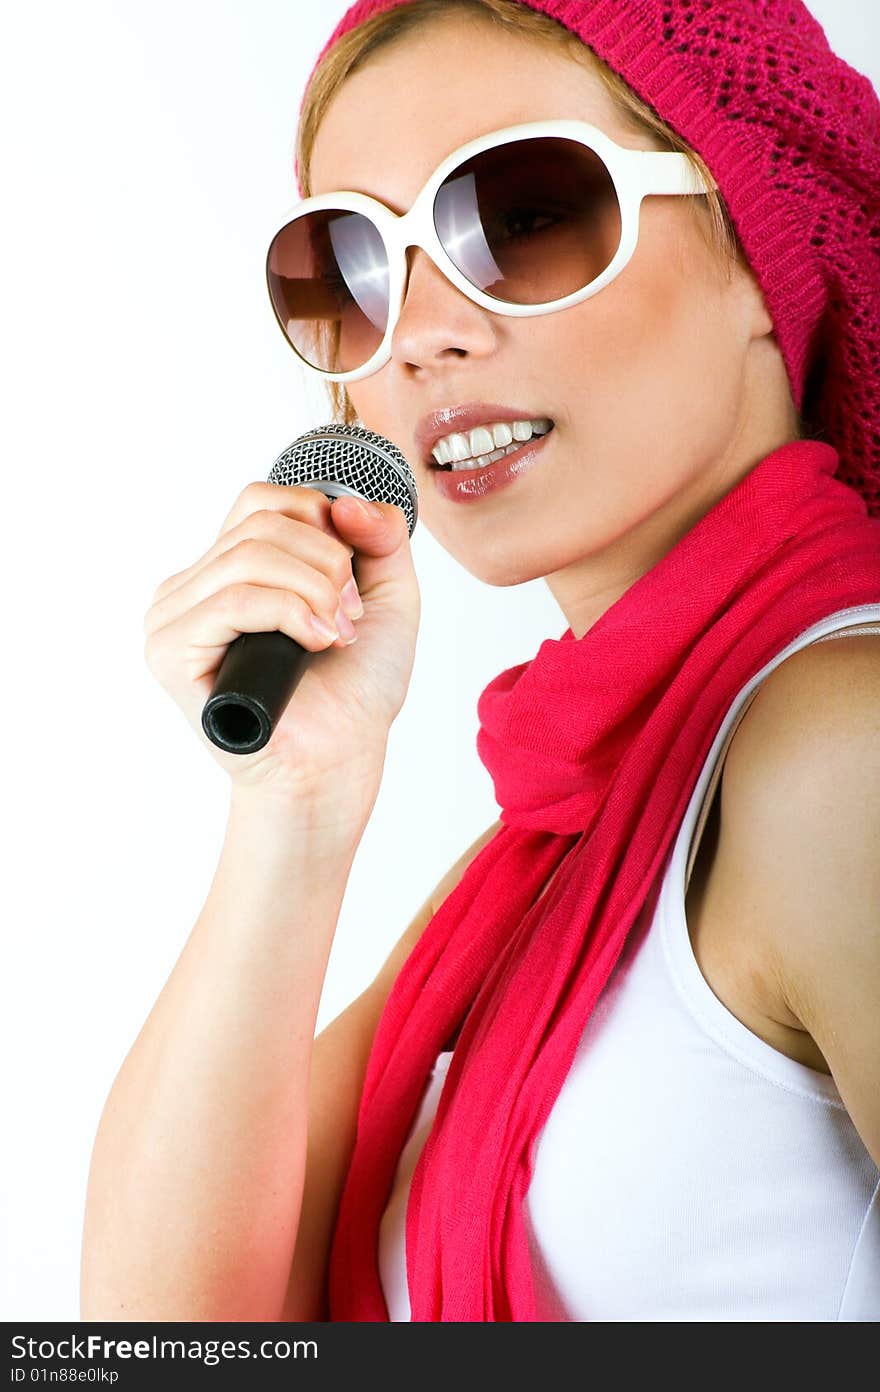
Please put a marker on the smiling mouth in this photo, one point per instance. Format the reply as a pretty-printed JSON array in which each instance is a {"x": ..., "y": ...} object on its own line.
[{"x": 475, "y": 462}]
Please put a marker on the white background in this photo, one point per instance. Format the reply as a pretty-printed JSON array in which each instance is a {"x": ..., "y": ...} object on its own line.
[{"x": 148, "y": 158}]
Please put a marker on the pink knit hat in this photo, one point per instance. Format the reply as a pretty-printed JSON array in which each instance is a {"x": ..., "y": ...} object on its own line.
[{"x": 791, "y": 134}]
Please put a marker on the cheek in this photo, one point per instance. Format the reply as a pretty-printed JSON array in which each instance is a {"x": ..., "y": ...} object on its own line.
[
  {"x": 651, "y": 361},
  {"x": 363, "y": 397},
  {"x": 374, "y": 409}
]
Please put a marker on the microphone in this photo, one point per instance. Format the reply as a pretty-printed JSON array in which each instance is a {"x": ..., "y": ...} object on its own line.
[{"x": 260, "y": 671}]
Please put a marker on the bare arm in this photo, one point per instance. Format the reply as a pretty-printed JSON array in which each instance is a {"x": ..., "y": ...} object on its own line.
[
  {"x": 197, "y": 1170},
  {"x": 804, "y": 816}
]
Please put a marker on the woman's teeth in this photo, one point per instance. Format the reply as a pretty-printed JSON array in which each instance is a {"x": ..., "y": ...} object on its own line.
[{"x": 486, "y": 443}]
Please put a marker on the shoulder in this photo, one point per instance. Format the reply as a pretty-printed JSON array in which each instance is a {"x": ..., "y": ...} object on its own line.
[
  {"x": 808, "y": 744},
  {"x": 801, "y": 821},
  {"x": 802, "y": 775},
  {"x": 801, "y": 786}
]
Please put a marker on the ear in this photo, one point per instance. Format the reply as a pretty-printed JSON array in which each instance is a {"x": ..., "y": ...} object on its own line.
[{"x": 758, "y": 316}]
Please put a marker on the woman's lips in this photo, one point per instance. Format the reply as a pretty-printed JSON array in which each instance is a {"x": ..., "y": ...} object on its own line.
[{"x": 469, "y": 485}]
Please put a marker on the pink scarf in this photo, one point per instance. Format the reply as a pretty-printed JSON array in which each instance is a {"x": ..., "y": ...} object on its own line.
[{"x": 594, "y": 746}]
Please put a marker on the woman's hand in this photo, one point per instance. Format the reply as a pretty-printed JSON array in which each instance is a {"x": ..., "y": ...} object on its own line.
[{"x": 283, "y": 557}]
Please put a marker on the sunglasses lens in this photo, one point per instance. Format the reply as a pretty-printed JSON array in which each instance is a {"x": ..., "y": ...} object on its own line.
[
  {"x": 530, "y": 221},
  {"x": 327, "y": 274}
]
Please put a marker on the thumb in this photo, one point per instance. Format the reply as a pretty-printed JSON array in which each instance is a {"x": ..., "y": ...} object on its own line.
[{"x": 379, "y": 535}]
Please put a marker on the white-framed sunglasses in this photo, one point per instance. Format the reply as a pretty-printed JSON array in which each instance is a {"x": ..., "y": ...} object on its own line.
[{"x": 525, "y": 220}]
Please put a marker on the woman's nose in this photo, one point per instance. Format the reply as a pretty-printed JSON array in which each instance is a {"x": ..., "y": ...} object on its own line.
[{"x": 437, "y": 322}]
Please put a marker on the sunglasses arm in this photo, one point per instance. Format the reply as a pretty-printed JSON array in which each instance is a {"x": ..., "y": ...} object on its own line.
[{"x": 652, "y": 171}]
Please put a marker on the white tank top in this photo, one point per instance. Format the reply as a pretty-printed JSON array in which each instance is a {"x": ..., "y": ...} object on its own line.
[{"x": 744, "y": 1191}]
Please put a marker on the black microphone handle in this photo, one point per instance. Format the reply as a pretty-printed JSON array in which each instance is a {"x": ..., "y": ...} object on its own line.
[{"x": 255, "y": 681}]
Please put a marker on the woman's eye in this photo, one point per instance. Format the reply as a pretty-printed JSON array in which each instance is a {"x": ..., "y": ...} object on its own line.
[
  {"x": 525, "y": 222},
  {"x": 337, "y": 284}
]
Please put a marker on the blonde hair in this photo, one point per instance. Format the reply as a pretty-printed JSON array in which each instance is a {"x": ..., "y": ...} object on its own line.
[{"x": 353, "y": 49}]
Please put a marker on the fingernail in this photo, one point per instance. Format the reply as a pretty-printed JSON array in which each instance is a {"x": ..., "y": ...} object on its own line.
[
  {"x": 365, "y": 508},
  {"x": 323, "y": 630},
  {"x": 351, "y": 600},
  {"x": 346, "y": 628}
]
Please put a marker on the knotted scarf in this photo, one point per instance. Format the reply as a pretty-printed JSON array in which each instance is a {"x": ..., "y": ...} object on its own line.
[{"x": 594, "y": 747}]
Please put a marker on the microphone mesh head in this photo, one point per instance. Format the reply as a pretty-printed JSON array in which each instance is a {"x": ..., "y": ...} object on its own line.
[{"x": 342, "y": 459}]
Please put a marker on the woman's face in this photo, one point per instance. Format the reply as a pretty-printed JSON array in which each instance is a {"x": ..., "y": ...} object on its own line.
[{"x": 664, "y": 388}]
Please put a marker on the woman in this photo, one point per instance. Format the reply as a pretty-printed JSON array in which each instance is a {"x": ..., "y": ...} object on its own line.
[{"x": 569, "y": 1094}]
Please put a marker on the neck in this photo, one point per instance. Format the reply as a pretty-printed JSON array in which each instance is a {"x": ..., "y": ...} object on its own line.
[
  {"x": 767, "y": 419},
  {"x": 589, "y": 586}
]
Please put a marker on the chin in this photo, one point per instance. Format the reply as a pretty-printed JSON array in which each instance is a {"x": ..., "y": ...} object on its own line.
[{"x": 505, "y": 570}]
